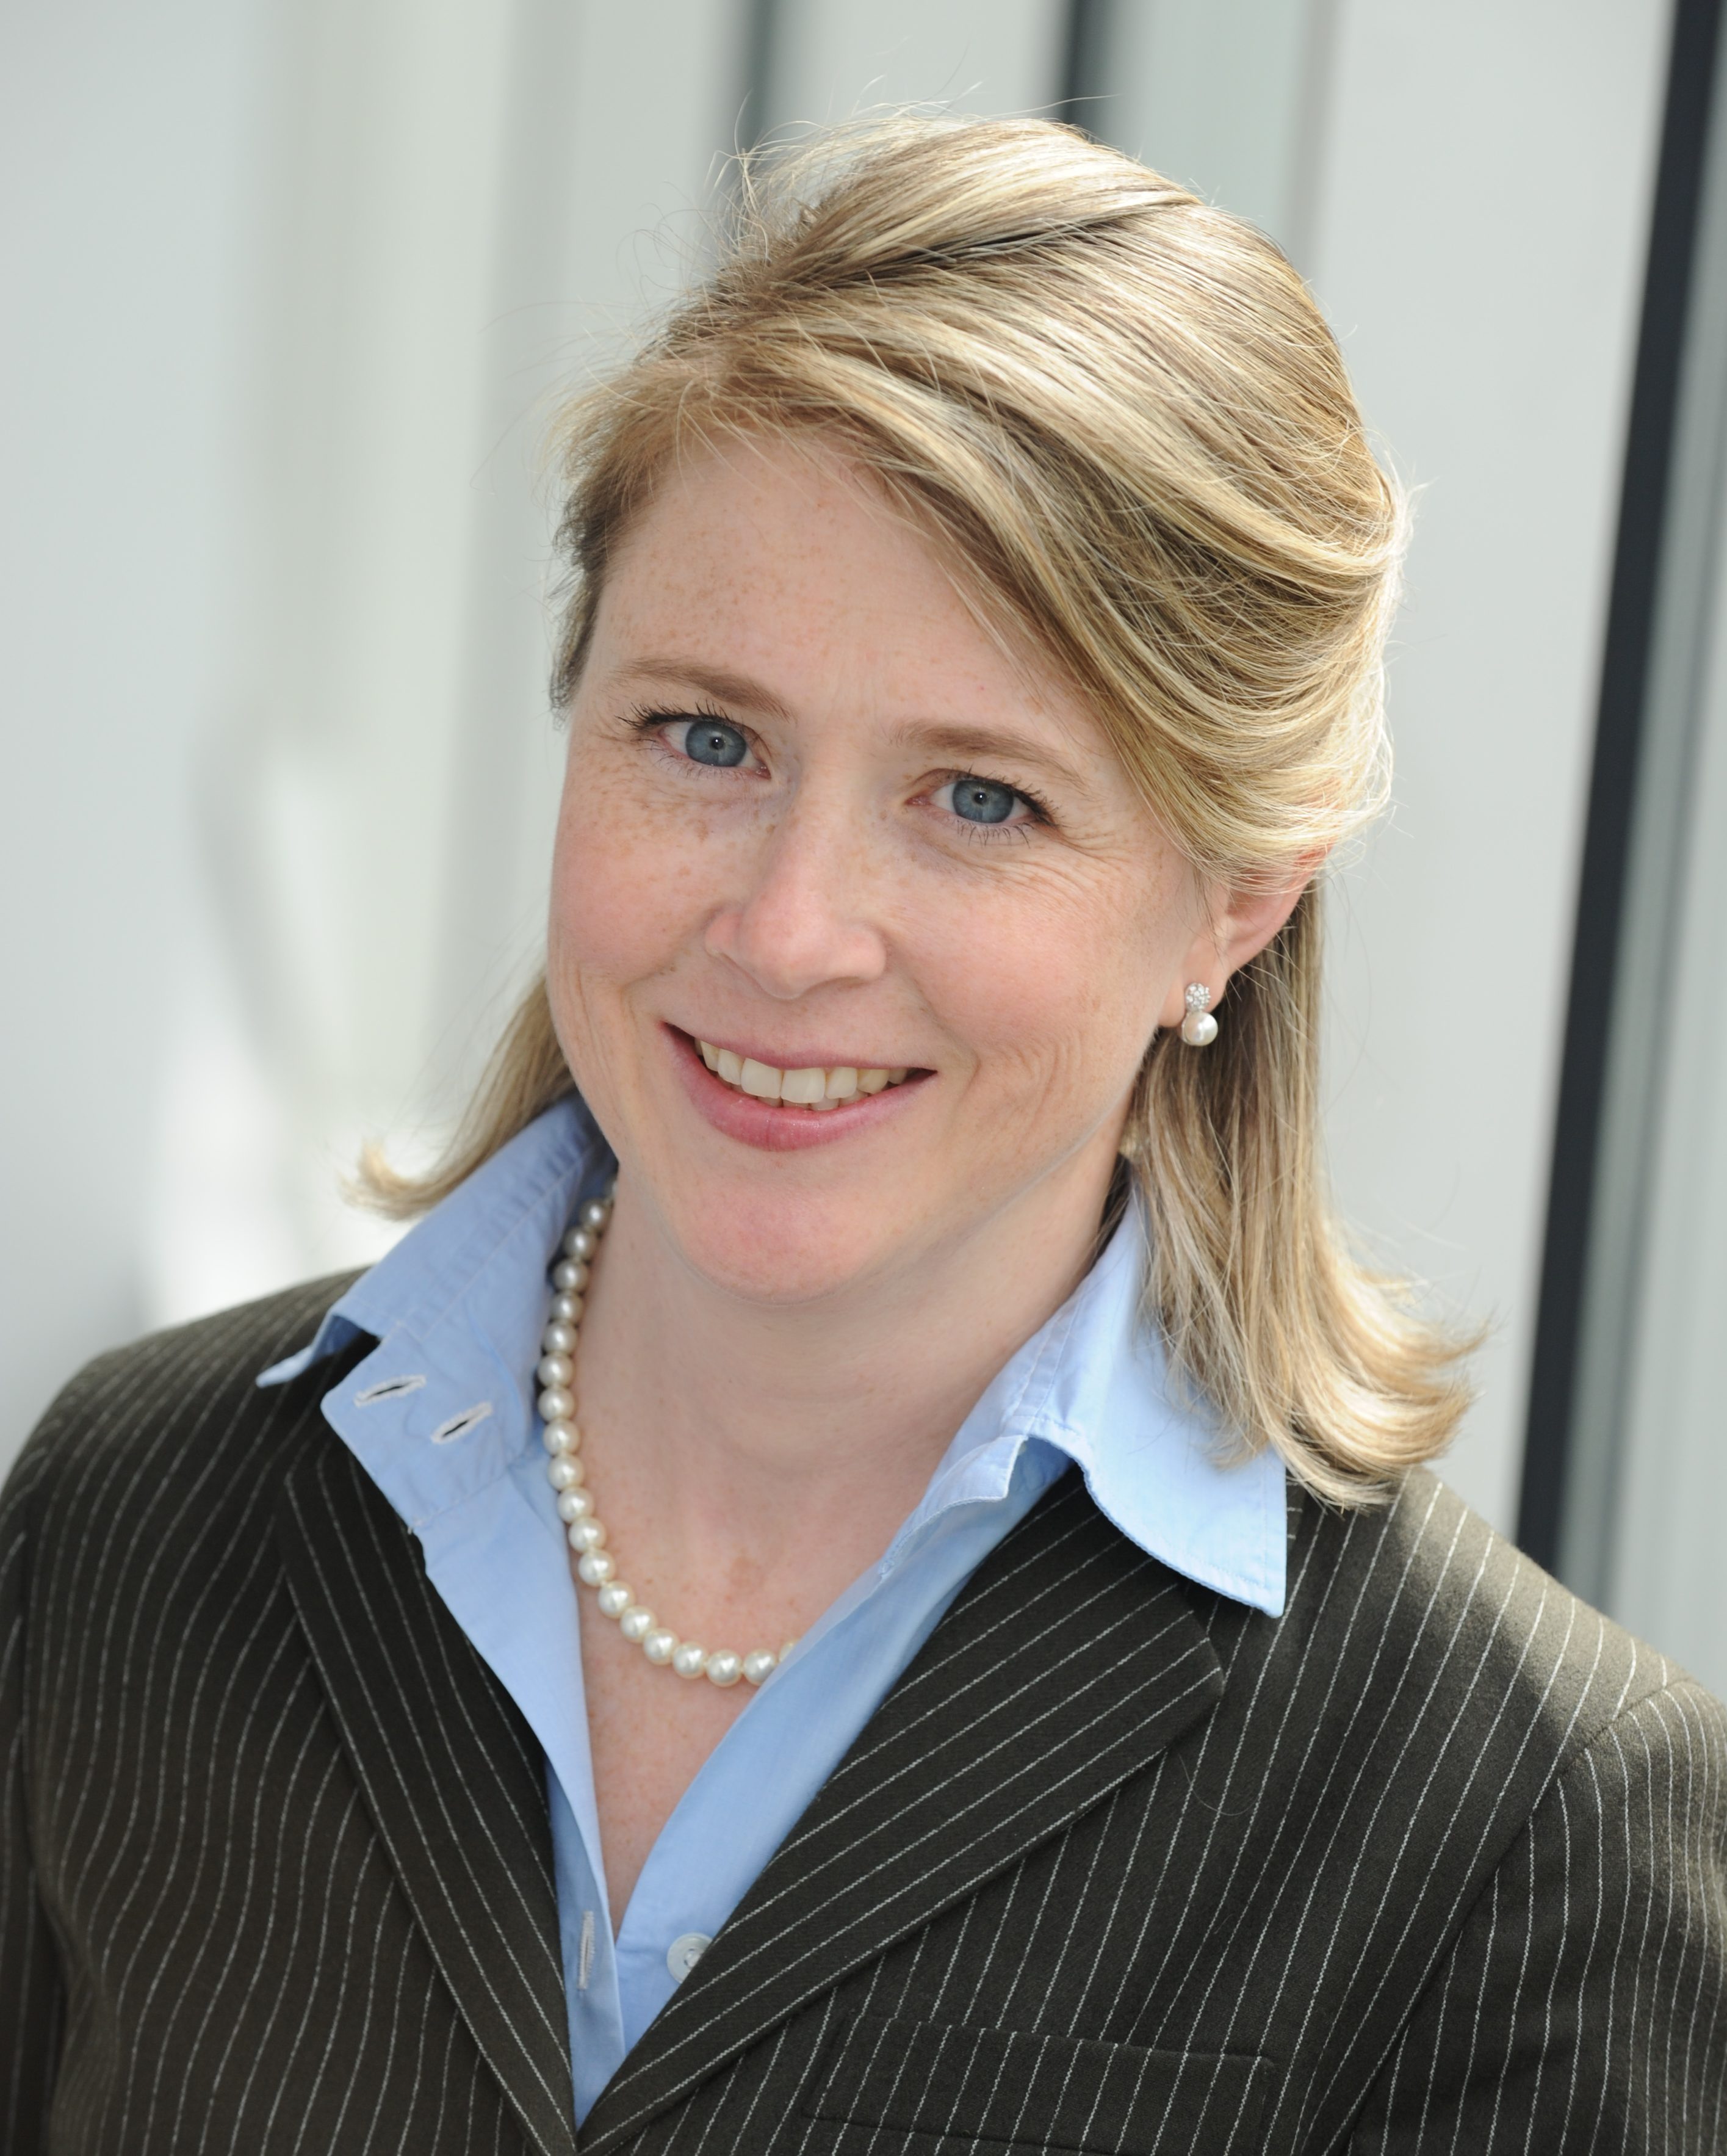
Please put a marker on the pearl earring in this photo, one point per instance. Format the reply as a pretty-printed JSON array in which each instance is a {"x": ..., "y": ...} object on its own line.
[{"x": 1199, "y": 1028}]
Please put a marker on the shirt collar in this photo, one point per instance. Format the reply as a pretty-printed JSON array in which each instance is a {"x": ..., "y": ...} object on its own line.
[
  {"x": 460, "y": 1301},
  {"x": 1095, "y": 1385}
]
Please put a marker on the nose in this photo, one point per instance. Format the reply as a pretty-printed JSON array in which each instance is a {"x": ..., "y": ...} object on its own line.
[{"x": 805, "y": 921}]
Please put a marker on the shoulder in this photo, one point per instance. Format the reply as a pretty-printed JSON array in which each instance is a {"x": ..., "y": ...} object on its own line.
[
  {"x": 169, "y": 1405},
  {"x": 1547, "y": 1807},
  {"x": 1419, "y": 1623},
  {"x": 137, "y": 1530}
]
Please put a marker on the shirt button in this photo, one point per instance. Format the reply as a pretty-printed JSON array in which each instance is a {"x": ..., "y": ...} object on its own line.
[{"x": 682, "y": 1954}]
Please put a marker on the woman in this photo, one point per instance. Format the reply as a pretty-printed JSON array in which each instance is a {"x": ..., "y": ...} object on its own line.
[{"x": 918, "y": 1623}]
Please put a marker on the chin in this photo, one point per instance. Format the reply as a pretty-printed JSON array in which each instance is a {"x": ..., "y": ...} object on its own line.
[{"x": 785, "y": 1247}]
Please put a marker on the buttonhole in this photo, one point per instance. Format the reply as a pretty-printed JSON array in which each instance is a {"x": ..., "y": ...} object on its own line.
[
  {"x": 584, "y": 1953},
  {"x": 458, "y": 1426},
  {"x": 387, "y": 1390}
]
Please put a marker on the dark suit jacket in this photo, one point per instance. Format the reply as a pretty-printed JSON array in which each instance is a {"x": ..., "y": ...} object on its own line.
[{"x": 1434, "y": 1862}]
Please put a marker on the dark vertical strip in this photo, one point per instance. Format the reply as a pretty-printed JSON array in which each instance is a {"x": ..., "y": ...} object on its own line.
[
  {"x": 1299, "y": 230},
  {"x": 1085, "y": 64},
  {"x": 756, "y": 117},
  {"x": 1650, "y": 445}
]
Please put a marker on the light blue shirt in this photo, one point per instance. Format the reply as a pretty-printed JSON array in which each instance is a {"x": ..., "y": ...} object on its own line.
[{"x": 441, "y": 1415}]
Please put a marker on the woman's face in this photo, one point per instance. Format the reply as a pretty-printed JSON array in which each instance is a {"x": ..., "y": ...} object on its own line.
[{"x": 817, "y": 818}]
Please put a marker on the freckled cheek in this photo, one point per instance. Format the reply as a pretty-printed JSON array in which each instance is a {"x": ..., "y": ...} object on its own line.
[
  {"x": 1062, "y": 994},
  {"x": 627, "y": 894}
]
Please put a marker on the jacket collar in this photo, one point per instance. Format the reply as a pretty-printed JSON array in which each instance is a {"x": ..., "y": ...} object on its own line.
[
  {"x": 452, "y": 1777},
  {"x": 1070, "y": 1663}
]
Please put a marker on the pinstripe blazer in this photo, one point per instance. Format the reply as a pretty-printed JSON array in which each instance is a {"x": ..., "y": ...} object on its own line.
[{"x": 1434, "y": 1861}]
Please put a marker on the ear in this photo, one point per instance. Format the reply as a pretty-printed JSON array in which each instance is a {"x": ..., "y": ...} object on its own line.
[{"x": 1239, "y": 925}]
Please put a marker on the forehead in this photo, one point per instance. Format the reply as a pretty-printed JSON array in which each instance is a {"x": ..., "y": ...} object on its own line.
[{"x": 791, "y": 566}]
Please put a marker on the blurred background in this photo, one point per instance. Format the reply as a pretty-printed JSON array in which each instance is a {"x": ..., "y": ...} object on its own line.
[{"x": 289, "y": 290}]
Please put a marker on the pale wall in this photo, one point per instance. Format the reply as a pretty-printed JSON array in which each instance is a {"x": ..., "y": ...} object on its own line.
[
  {"x": 1479, "y": 244},
  {"x": 229, "y": 553}
]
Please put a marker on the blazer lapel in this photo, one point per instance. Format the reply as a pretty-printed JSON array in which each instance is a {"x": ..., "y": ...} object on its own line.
[
  {"x": 1070, "y": 1661},
  {"x": 454, "y": 1781}
]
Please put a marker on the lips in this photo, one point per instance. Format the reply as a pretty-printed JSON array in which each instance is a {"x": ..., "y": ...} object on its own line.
[
  {"x": 814, "y": 1087},
  {"x": 763, "y": 1117}
]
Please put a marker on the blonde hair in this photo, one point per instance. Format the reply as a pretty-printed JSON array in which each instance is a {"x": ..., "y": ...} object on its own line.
[{"x": 1121, "y": 411}]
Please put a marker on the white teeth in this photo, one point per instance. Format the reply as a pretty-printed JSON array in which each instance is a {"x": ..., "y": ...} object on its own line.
[{"x": 809, "y": 1087}]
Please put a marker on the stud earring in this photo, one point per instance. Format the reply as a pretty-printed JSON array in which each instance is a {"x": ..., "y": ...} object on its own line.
[{"x": 1199, "y": 1028}]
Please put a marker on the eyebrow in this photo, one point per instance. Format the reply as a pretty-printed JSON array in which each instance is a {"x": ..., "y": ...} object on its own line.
[
  {"x": 724, "y": 686},
  {"x": 956, "y": 740},
  {"x": 986, "y": 743}
]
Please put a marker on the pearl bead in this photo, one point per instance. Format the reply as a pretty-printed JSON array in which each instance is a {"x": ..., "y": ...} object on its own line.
[
  {"x": 594, "y": 1565},
  {"x": 1199, "y": 1028}
]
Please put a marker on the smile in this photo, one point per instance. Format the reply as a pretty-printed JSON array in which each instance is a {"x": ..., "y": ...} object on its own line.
[{"x": 813, "y": 1087}]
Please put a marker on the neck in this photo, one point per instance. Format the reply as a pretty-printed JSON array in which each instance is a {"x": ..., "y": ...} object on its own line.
[{"x": 744, "y": 1438}]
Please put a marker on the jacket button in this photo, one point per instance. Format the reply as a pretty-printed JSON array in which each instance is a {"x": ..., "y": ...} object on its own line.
[{"x": 682, "y": 1954}]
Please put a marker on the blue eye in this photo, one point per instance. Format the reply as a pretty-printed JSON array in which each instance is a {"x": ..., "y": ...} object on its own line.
[
  {"x": 981, "y": 801},
  {"x": 711, "y": 741}
]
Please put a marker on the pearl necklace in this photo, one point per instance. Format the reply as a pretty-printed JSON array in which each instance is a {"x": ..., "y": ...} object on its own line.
[{"x": 594, "y": 1562}]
